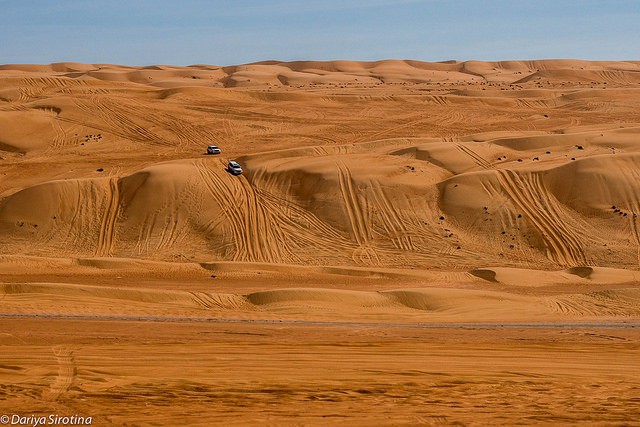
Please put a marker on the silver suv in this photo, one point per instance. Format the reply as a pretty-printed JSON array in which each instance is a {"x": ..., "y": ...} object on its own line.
[
  {"x": 234, "y": 168},
  {"x": 212, "y": 149}
]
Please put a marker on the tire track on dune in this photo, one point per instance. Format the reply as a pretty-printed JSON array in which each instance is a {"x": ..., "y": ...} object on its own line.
[
  {"x": 57, "y": 82},
  {"x": 169, "y": 230},
  {"x": 602, "y": 303},
  {"x": 542, "y": 211},
  {"x": 265, "y": 229},
  {"x": 119, "y": 120},
  {"x": 224, "y": 301},
  {"x": 237, "y": 114},
  {"x": 570, "y": 306},
  {"x": 479, "y": 160},
  {"x": 124, "y": 118},
  {"x": 284, "y": 230},
  {"x": 437, "y": 100},
  {"x": 143, "y": 241},
  {"x": 167, "y": 225},
  {"x": 27, "y": 94},
  {"x": 354, "y": 210},
  {"x": 66, "y": 374},
  {"x": 183, "y": 132},
  {"x": 35, "y": 87},
  {"x": 59, "y": 136},
  {"x": 304, "y": 230},
  {"x": 86, "y": 213},
  {"x": 304, "y": 226},
  {"x": 533, "y": 104},
  {"x": 392, "y": 221},
  {"x": 631, "y": 178},
  {"x": 255, "y": 232},
  {"x": 223, "y": 196},
  {"x": 376, "y": 135},
  {"x": 30, "y": 88},
  {"x": 299, "y": 231},
  {"x": 360, "y": 225},
  {"x": 106, "y": 238}
]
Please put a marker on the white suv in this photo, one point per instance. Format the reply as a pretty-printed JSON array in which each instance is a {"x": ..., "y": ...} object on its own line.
[
  {"x": 212, "y": 149},
  {"x": 234, "y": 168}
]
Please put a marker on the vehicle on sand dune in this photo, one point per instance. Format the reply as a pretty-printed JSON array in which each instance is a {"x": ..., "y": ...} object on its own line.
[
  {"x": 234, "y": 168},
  {"x": 212, "y": 149}
]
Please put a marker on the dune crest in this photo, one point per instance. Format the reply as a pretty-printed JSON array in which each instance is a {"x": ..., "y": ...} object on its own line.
[{"x": 304, "y": 73}]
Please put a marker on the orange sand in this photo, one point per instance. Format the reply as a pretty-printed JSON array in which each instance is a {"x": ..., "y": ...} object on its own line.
[{"x": 377, "y": 198}]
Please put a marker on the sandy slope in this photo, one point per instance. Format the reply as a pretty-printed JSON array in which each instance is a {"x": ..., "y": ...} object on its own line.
[
  {"x": 384, "y": 192},
  {"x": 424, "y": 174}
]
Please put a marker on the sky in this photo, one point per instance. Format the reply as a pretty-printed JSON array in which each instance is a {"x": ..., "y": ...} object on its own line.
[{"x": 230, "y": 32}]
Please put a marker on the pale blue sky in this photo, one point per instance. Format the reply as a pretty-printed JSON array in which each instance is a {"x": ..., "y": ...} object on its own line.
[{"x": 226, "y": 32}]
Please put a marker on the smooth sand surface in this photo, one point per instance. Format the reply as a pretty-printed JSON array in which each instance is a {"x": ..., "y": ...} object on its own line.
[
  {"x": 142, "y": 284},
  {"x": 158, "y": 373}
]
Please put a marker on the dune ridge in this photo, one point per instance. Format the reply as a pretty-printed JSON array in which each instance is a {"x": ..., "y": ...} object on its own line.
[
  {"x": 276, "y": 73},
  {"x": 415, "y": 305}
]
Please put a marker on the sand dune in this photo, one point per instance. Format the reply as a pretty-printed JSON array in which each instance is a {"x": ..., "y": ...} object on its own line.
[
  {"x": 347, "y": 72},
  {"x": 327, "y": 206},
  {"x": 317, "y": 304},
  {"x": 380, "y": 202},
  {"x": 422, "y": 175}
]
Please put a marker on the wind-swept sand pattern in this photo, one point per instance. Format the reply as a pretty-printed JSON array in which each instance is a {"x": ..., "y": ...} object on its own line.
[{"x": 410, "y": 243}]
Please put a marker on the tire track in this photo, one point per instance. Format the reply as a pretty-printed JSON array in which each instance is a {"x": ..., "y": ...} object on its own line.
[
  {"x": 479, "y": 160},
  {"x": 182, "y": 131},
  {"x": 60, "y": 134},
  {"x": 594, "y": 304},
  {"x": 266, "y": 233},
  {"x": 533, "y": 104},
  {"x": 221, "y": 194},
  {"x": 386, "y": 131},
  {"x": 66, "y": 374},
  {"x": 81, "y": 202},
  {"x": 256, "y": 234},
  {"x": 437, "y": 100},
  {"x": 106, "y": 238},
  {"x": 360, "y": 224},
  {"x": 144, "y": 235},
  {"x": 169, "y": 231},
  {"x": 119, "y": 120},
  {"x": 124, "y": 119},
  {"x": 224, "y": 301},
  {"x": 631, "y": 177},
  {"x": 170, "y": 219},
  {"x": 35, "y": 87},
  {"x": 392, "y": 222},
  {"x": 304, "y": 226},
  {"x": 267, "y": 228},
  {"x": 530, "y": 196},
  {"x": 354, "y": 210}
]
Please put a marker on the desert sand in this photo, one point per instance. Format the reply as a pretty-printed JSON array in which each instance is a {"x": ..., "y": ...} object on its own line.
[{"x": 410, "y": 243}]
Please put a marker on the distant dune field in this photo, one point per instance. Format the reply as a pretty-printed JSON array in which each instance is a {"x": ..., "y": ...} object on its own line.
[{"x": 373, "y": 193}]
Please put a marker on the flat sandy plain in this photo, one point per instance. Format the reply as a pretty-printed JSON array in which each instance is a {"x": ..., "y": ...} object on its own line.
[{"x": 411, "y": 243}]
